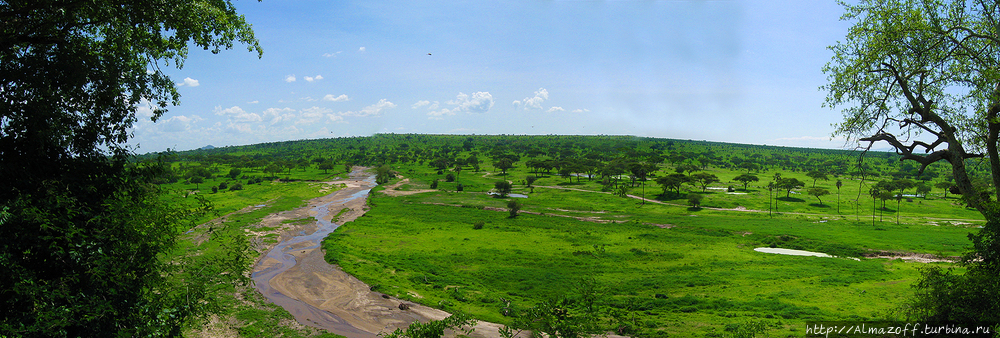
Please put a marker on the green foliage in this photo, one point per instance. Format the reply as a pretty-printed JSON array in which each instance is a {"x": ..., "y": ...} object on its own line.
[
  {"x": 478, "y": 225},
  {"x": 746, "y": 179},
  {"x": 818, "y": 192},
  {"x": 92, "y": 234},
  {"x": 513, "y": 206},
  {"x": 503, "y": 188},
  {"x": 434, "y": 328},
  {"x": 694, "y": 200}
]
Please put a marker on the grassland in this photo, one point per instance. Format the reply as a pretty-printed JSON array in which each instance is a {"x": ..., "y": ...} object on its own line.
[
  {"x": 672, "y": 269},
  {"x": 676, "y": 270}
]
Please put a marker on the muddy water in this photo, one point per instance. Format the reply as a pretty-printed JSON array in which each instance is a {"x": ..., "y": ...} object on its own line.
[{"x": 279, "y": 259}]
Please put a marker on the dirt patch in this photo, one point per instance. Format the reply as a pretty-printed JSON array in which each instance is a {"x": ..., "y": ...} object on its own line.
[
  {"x": 911, "y": 256},
  {"x": 391, "y": 189}
]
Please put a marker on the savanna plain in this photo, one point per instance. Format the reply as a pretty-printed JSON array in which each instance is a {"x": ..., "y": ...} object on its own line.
[{"x": 657, "y": 236}]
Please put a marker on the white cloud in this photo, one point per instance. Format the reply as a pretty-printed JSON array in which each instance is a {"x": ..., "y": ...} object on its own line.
[
  {"x": 254, "y": 102},
  {"x": 533, "y": 102},
  {"x": 237, "y": 114},
  {"x": 581, "y": 110},
  {"x": 290, "y": 78},
  {"x": 555, "y": 109},
  {"x": 189, "y": 82},
  {"x": 420, "y": 104},
  {"x": 276, "y": 116},
  {"x": 330, "y": 97},
  {"x": 179, "y": 123},
  {"x": 313, "y": 78},
  {"x": 313, "y": 114},
  {"x": 478, "y": 103},
  {"x": 440, "y": 114},
  {"x": 332, "y": 54},
  {"x": 362, "y": 49},
  {"x": 372, "y": 110}
]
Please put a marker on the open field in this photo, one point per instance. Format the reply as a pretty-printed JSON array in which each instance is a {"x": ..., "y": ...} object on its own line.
[
  {"x": 673, "y": 269},
  {"x": 661, "y": 266}
]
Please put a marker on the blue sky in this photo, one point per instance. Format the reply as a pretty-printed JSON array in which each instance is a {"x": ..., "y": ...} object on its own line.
[{"x": 730, "y": 71}]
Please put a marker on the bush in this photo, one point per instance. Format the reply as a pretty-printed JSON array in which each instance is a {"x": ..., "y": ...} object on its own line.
[
  {"x": 434, "y": 184},
  {"x": 694, "y": 200},
  {"x": 449, "y": 178},
  {"x": 459, "y": 187},
  {"x": 223, "y": 186},
  {"x": 237, "y": 186},
  {"x": 478, "y": 225},
  {"x": 513, "y": 206},
  {"x": 215, "y": 189}
]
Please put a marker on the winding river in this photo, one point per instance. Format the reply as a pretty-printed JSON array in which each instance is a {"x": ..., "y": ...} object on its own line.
[{"x": 281, "y": 259}]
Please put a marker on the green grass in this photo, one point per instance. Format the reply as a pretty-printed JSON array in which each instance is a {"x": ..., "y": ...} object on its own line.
[
  {"x": 693, "y": 278},
  {"x": 254, "y": 315}
]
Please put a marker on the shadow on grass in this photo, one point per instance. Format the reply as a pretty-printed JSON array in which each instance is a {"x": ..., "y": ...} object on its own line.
[
  {"x": 569, "y": 183},
  {"x": 791, "y": 199},
  {"x": 818, "y": 205},
  {"x": 694, "y": 208}
]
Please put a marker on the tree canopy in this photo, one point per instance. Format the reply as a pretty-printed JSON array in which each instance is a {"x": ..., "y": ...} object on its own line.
[
  {"x": 924, "y": 77},
  {"x": 90, "y": 228}
]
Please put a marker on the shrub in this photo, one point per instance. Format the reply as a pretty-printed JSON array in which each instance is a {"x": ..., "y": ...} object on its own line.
[
  {"x": 449, "y": 178},
  {"x": 459, "y": 187},
  {"x": 513, "y": 206},
  {"x": 694, "y": 200},
  {"x": 434, "y": 184},
  {"x": 478, "y": 225},
  {"x": 237, "y": 186},
  {"x": 215, "y": 189},
  {"x": 223, "y": 186}
]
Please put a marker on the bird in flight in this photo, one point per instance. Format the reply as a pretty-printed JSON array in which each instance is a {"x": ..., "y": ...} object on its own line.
[{"x": 428, "y": 53}]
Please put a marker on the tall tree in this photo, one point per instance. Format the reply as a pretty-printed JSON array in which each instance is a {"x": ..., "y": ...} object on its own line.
[
  {"x": 91, "y": 232},
  {"x": 930, "y": 66},
  {"x": 746, "y": 179}
]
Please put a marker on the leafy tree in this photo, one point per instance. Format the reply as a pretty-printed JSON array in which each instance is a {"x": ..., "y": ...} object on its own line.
[
  {"x": 817, "y": 175},
  {"x": 503, "y": 188},
  {"x": 435, "y": 328},
  {"x": 530, "y": 180},
  {"x": 673, "y": 181},
  {"x": 234, "y": 173},
  {"x": 197, "y": 180},
  {"x": 503, "y": 164},
  {"x": 788, "y": 184},
  {"x": 689, "y": 168},
  {"x": 746, "y": 179},
  {"x": 694, "y": 200},
  {"x": 513, "y": 206},
  {"x": 273, "y": 169},
  {"x": 923, "y": 189},
  {"x": 818, "y": 192},
  {"x": 325, "y": 166},
  {"x": 91, "y": 231},
  {"x": 704, "y": 179},
  {"x": 574, "y": 315},
  {"x": 944, "y": 186},
  {"x": 938, "y": 77}
]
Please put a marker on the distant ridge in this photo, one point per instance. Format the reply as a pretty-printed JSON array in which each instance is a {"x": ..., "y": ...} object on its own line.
[{"x": 208, "y": 147}]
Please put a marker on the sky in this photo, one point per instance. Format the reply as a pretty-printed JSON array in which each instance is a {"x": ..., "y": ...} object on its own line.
[{"x": 728, "y": 71}]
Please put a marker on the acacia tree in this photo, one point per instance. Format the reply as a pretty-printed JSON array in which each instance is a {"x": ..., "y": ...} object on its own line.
[
  {"x": 930, "y": 67},
  {"x": 91, "y": 231},
  {"x": 746, "y": 179}
]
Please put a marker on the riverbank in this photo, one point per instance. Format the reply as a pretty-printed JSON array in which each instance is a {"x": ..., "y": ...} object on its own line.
[{"x": 322, "y": 295}]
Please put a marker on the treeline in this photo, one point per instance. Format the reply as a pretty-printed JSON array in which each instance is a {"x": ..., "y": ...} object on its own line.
[{"x": 583, "y": 154}]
